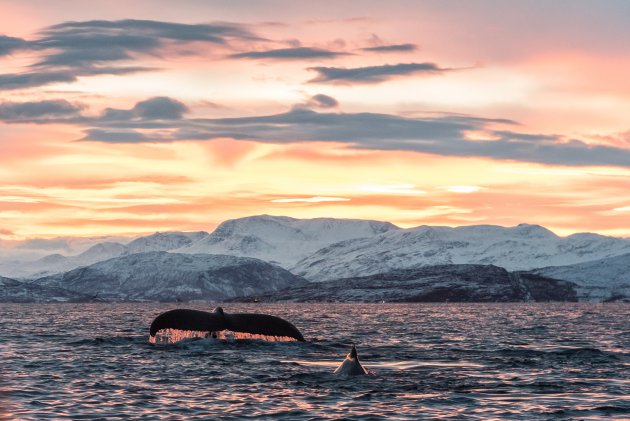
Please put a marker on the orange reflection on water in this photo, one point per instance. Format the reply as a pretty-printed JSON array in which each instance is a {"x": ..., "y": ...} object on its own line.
[{"x": 171, "y": 336}]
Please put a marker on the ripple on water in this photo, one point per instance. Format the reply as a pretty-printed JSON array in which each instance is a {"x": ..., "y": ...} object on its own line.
[{"x": 454, "y": 361}]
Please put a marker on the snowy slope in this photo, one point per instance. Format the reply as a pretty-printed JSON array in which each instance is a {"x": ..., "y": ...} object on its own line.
[
  {"x": 166, "y": 276},
  {"x": 597, "y": 280},
  {"x": 57, "y": 263},
  {"x": 164, "y": 241},
  {"x": 36, "y": 248},
  {"x": 523, "y": 247},
  {"x": 283, "y": 240},
  {"x": 98, "y": 252}
]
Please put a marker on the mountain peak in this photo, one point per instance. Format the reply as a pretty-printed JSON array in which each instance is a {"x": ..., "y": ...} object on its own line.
[
  {"x": 533, "y": 230},
  {"x": 282, "y": 239}
]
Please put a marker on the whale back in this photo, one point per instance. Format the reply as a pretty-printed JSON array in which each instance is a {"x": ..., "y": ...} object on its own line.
[{"x": 351, "y": 366}]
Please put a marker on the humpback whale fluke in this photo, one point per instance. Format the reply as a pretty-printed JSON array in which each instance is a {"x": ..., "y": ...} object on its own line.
[
  {"x": 351, "y": 365},
  {"x": 250, "y": 324}
]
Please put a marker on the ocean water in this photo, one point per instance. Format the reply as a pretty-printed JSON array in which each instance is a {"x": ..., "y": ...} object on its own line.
[{"x": 428, "y": 361}]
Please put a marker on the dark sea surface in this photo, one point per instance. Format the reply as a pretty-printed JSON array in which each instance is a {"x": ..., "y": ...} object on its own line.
[{"x": 428, "y": 361}]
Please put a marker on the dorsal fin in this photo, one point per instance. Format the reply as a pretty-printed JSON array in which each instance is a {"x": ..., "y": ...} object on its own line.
[{"x": 353, "y": 353}]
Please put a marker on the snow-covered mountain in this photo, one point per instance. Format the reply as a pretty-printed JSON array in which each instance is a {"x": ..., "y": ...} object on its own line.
[
  {"x": 443, "y": 283},
  {"x": 36, "y": 248},
  {"x": 276, "y": 239},
  {"x": 283, "y": 240},
  {"x": 162, "y": 276},
  {"x": 325, "y": 249},
  {"x": 523, "y": 247},
  {"x": 58, "y": 263},
  {"x": 597, "y": 280}
]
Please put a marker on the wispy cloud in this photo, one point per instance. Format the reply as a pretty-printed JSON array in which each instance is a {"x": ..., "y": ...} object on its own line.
[
  {"x": 463, "y": 189},
  {"x": 162, "y": 119},
  {"x": 44, "y": 76},
  {"x": 374, "y": 74},
  {"x": 120, "y": 136},
  {"x": 315, "y": 199},
  {"x": 98, "y": 47},
  {"x": 297, "y": 53},
  {"x": 36, "y": 111},
  {"x": 397, "y": 189},
  {"x": 392, "y": 48}
]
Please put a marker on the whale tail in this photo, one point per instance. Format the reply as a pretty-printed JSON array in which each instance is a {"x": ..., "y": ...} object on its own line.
[{"x": 246, "y": 325}]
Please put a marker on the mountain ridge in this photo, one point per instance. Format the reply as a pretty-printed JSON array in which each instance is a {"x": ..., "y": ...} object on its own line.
[
  {"x": 440, "y": 283},
  {"x": 524, "y": 247}
]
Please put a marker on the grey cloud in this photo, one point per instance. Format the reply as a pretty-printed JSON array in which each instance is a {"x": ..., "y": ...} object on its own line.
[
  {"x": 323, "y": 101},
  {"x": 10, "y": 44},
  {"x": 373, "y": 74},
  {"x": 212, "y": 32},
  {"x": 523, "y": 137},
  {"x": 120, "y": 136},
  {"x": 156, "y": 108},
  {"x": 440, "y": 134},
  {"x": 74, "y": 49},
  {"x": 37, "y": 110},
  {"x": 81, "y": 43},
  {"x": 297, "y": 53},
  {"x": 302, "y": 124},
  {"x": 27, "y": 80},
  {"x": 160, "y": 108},
  {"x": 45, "y": 77},
  {"x": 154, "y": 112},
  {"x": 392, "y": 48},
  {"x": 573, "y": 153},
  {"x": 161, "y": 119},
  {"x": 116, "y": 114},
  {"x": 111, "y": 70}
]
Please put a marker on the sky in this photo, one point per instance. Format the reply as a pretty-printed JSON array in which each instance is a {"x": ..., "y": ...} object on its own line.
[{"x": 135, "y": 117}]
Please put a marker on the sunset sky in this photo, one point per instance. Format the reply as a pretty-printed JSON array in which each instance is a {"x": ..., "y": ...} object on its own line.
[{"x": 140, "y": 116}]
